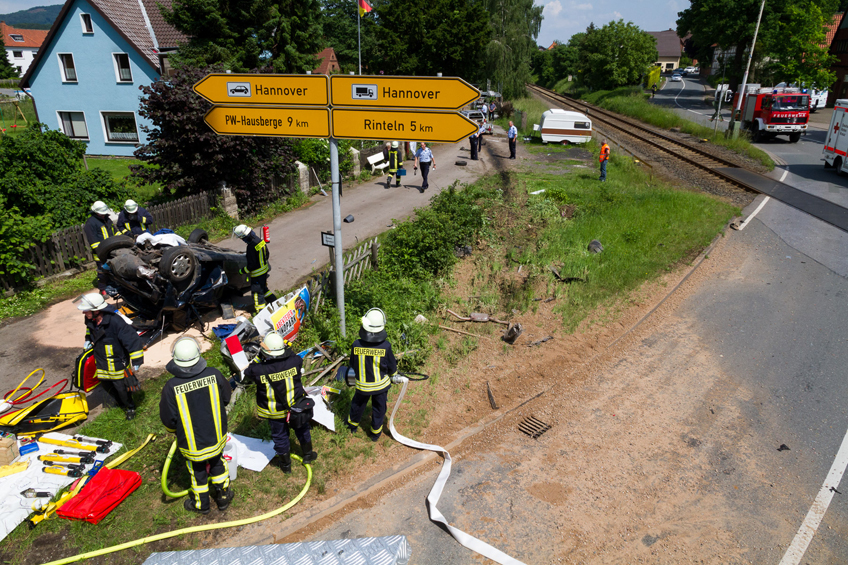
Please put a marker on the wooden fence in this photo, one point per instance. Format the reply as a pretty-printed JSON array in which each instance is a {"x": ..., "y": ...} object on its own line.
[
  {"x": 356, "y": 262},
  {"x": 68, "y": 248}
]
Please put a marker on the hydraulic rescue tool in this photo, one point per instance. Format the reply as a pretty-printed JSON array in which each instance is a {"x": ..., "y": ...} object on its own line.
[
  {"x": 69, "y": 472},
  {"x": 75, "y": 444},
  {"x": 56, "y": 458},
  {"x": 32, "y": 493},
  {"x": 107, "y": 443}
]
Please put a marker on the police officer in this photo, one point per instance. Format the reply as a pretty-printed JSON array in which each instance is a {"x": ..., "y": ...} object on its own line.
[
  {"x": 98, "y": 228},
  {"x": 257, "y": 266},
  {"x": 473, "y": 140},
  {"x": 192, "y": 406},
  {"x": 134, "y": 220},
  {"x": 374, "y": 365},
  {"x": 118, "y": 350},
  {"x": 395, "y": 163},
  {"x": 276, "y": 373},
  {"x": 480, "y": 131}
]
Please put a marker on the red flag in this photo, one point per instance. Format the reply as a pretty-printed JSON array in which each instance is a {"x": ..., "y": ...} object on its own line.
[{"x": 364, "y": 7}]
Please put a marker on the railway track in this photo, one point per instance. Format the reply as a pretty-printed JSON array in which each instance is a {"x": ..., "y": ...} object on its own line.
[{"x": 672, "y": 150}]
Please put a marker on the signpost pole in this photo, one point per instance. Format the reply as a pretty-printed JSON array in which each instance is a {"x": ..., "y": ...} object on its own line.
[{"x": 337, "y": 230}]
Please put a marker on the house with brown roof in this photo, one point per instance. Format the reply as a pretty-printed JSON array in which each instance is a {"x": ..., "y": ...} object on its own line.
[
  {"x": 85, "y": 79},
  {"x": 21, "y": 45},
  {"x": 329, "y": 63},
  {"x": 669, "y": 49}
]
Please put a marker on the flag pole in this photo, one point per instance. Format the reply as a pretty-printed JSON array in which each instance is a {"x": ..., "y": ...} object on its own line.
[{"x": 359, "y": 35}]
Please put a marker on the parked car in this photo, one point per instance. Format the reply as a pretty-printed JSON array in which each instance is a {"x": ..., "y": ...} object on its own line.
[
  {"x": 676, "y": 78},
  {"x": 691, "y": 70},
  {"x": 157, "y": 278},
  {"x": 477, "y": 116},
  {"x": 818, "y": 99}
]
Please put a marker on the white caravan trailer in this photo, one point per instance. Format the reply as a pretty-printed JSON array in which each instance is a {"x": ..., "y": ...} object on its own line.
[{"x": 563, "y": 125}]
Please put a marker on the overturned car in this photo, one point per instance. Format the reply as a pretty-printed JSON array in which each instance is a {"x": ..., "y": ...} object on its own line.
[{"x": 163, "y": 275}]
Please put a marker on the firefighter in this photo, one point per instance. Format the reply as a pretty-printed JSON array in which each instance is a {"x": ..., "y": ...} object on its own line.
[
  {"x": 374, "y": 365},
  {"x": 603, "y": 158},
  {"x": 118, "y": 350},
  {"x": 395, "y": 163},
  {"x": 134, "y": 220},
  {"x": 276, "y": 373},
  {"x": 192, "y": 406},
  {"x": 257, "y": 266},
  {"x": 98, "y": 228}
]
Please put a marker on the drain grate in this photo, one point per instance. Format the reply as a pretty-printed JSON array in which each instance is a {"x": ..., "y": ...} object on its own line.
[{"x": 533, "y": 427}]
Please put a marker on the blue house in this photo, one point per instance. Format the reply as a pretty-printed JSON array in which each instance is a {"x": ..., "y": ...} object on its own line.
[{"x": 85, "y": 79}]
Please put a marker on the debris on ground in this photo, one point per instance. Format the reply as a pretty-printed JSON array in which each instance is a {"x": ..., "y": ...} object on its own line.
[
  {"x": 783, "y": 447},
  {"x": 477, "y": 317},
  {"x": 512, "y": 332},
  {"x": 491, "y": 396},
  {"x": 595, "y": 246},
  {"x": 420, "y": 319},
  {"x": 564, "y": 279},
  {"x": 461, "y": 331},
  {"x": 541, "y": 341}
]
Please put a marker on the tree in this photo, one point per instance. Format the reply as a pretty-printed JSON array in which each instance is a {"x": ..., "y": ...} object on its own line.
[
  {"x": 425, "y": 37},
  {"x": 541, "y": 65},
  {"x": 338, "y": 21},
  {"x": 515, "y": 26},
  {"x": 6, "y": 68},
  {"x": 188, "y": 157},
  {"x": 282, "y": 34},
  {"x": 617, "y": 54}
]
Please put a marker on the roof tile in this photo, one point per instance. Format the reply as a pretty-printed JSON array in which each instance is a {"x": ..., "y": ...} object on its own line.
[{"x": 31, "y": 37}]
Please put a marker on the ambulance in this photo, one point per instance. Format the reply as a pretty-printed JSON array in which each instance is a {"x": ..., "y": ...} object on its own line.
[{"x": 836, "y": 140}]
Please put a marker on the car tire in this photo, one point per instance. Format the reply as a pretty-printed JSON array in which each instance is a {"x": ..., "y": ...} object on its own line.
[
  {"x": 794, "y": 137},
  {"x": 756, "y": 133},
  {"x": 198, "y": 236},
  {"x": 107, "y": 246},
  {"x": 177, "y": 263},
  {"x": 839, "y": 164}
]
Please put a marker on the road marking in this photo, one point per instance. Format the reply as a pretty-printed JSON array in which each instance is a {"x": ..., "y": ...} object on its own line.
[
  {"x": 783, "y": 176},
  {"x": 751, "y": 217},
  {"x": 682, "y": 88},
  {"x": 795, "y": 551}
]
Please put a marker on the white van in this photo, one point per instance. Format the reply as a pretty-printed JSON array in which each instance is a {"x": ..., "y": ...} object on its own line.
[
  {"x": 563, "y": 125},
  {"x": 836, "y": 143},
  {"x": 818, "y": 99}
]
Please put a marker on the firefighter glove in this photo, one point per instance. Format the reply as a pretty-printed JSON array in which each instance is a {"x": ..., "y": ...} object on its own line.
[
  {"x": 87, "y": 345},
  {"x": 399, "y": 379}
]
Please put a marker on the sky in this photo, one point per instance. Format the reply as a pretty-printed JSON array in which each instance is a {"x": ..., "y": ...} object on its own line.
[{"x": 564, "y": 18}]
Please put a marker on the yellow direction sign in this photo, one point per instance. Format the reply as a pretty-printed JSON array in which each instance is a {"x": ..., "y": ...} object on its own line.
[
  {"x": 278, "y": 90},
  {"x": 272, "y": 122},
  {"x": 420, "y": 93},
  {"x": 446, "y": 127}
]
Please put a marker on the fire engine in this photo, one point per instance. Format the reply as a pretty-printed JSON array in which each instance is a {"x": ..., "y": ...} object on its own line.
[
  {"x": 836, "y": 142},
  {"x": 767, "y": 112}
]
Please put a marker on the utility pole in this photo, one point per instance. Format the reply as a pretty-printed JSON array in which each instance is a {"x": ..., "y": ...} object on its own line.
[
  {"x": 734, "y": 125},
  {"x": 337, "y": 231}
]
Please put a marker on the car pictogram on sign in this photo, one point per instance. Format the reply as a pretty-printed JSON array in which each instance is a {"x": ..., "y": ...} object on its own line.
[{"x": 240, "y": 89}]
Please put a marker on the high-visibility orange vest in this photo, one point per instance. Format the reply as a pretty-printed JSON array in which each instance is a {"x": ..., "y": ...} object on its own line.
[{"x": 605, "y": 151}]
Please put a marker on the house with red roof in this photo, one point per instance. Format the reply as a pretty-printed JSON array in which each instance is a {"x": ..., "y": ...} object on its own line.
[
  {"x": 85, "y": 79},
  {"x": 329, "y": 63},
  {"x": 22, "y": 45}
]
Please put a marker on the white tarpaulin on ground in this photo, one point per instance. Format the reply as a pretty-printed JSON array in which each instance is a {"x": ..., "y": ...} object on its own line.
[{"x": 14, "y": 508}]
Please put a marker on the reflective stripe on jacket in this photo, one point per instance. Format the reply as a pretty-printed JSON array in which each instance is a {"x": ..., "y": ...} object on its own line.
[
  {"x": 278, "y": 384},
  {"x": 394, "y": 161},
  {"x": 129, "y": 225},
  {"x": 116, "y": 346},
  {"x": 374, "y": 365},
  {"x": 97, "y": 231},
  {"x": 193, "y": 407},
  {"x": 257, "y": 255}
]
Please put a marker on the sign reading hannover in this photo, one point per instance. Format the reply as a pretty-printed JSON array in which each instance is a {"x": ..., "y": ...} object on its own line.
[
  {"x": 417, "y": 93},
  {"x": 267, "y": 121},
  {"x": 444, "y": 127},
  {"x": 276, "y": 90}
]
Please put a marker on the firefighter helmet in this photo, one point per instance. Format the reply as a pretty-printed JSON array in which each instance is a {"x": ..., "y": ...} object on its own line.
[
  {"x": 130, "y": 206},
  {"x": 92, "y": 302},
  {"x": 242, "y": 231},
  {"x": 374, "y": 321},
  {"x": 100, "y": 207},
  {"x": 186, "y": 352},
  {"x": 274, "y": 344}
]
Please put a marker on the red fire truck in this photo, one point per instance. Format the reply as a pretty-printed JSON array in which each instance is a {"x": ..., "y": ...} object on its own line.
[{"x": 767, "y": 112}]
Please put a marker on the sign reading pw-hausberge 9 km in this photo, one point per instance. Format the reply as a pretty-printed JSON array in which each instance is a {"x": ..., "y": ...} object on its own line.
[
  {"x": 414, "y": 93},
  {"x": 272, "y": 90},
  {"x": 270, "y": 122}
]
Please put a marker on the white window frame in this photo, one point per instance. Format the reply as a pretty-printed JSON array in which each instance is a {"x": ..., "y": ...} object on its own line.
[
  {"x": 17, "y": 54},
  {"x": 15, "y": 37},
  {"x": 103, "y": 114},
  {"x": 118, "y": 69},
  {"x": 62, "y": 68},
  {"x": 82, "y": 23},
  {"x": 62, "y": 123}
]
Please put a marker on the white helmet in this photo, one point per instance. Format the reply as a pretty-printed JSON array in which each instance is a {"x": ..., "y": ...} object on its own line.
[
  {"x": 130, "y": 206},
  {"x": 186, "y": 352},
  {"x": 92, "y": 302},
  {"x": 242, "y": 231},
  {"x": 394, "y": 144},
  {"x": 374, "y": 321},
  {"x": 100, "y": 207},
  {"x": 274, "y": 344}
]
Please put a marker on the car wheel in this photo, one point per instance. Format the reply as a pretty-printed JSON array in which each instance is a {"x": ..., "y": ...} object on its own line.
[
  {"x": 177, "y": 263},
  {"x": 756, "y": 134},
  {"x": 107, "y": 246},
  {"x": 839, "y": 166},
  {"x": 794, "y": 137},
  {"x": 198, "y": 236}
]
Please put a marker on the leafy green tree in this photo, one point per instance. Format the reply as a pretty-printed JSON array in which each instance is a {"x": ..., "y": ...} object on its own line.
[
  {"x": 284, "y": 35},
  {"x": 425, "y": 37},
  {"x": 614, "y": 55},
  {"x": 515, "y": 26},
  {"x": 6, "y": 68},
  {"x": 542, "y": 68},
  {"x": 188, "y": 157},
  {"x": 338, "y": 21}
]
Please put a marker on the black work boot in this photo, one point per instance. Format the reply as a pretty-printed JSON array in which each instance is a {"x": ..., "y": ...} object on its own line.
[
  {"x": 285, "y": 462},
  {"x": 352, "y": 429},
  {"x": 130, "y": 413},
  {"x": 308, "y": 455},
  {"x": 222, "y": 496},
  {"x": 189, "y": 505}
]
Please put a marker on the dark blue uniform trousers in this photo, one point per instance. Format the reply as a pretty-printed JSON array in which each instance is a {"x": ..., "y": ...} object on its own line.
[
  {"x": 378, "y": 409},
  {"x": 280, "y": 435}
]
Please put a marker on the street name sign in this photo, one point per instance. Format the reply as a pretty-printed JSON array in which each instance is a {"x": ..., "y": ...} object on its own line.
[
  {"x": 276, "y": 90},
  {"x": 417, "y": 93},
  {"x": 443, "y": 127},
  {"x": 328, "y": 239},
  {"x": 268, "y": 121}
]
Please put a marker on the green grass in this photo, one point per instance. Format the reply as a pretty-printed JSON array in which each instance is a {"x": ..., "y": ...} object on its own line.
[
  {"x": 532, "y": 107},
  {"x": 28, "y": 302},
  {"x": 120, "y": 170},
  {"x": 11, "y": 121}
]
